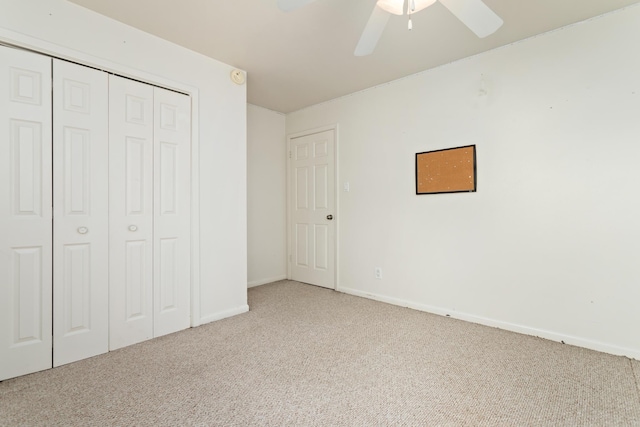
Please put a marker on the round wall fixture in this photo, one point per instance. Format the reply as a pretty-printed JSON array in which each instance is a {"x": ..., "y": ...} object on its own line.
[{"x": 237, "y": 76}]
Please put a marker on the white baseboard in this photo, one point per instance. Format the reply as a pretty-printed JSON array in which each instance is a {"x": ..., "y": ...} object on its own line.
[
  {"x": 223, "y": 314},
  {"x": 255, "y": 283},
  {"x": 513, "y": 327}
]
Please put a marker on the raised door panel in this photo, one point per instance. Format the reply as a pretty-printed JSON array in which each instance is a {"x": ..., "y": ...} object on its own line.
[
  {"x": 302, "y": 246},
  {"x": 26, "y": 145},
  {"x": 169, "y": 285},
  {"x": 28, "y": 288},
  {"x": 321, "y": 252},
  {"x": 81, "y": 221},
  {"x": 25, "y": 213},
  {"x": 302, "y": 188},
  {"x": 172, "y": 213},
  {"x": 136, "y": 280},
  {"x": 130, "y": 212}
]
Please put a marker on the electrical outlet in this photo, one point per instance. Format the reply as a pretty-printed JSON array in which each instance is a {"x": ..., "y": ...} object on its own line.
[{"x": 377, "y": 273}]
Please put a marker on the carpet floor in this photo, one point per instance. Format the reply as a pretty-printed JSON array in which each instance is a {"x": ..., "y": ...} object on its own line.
[{"x": 307, "y": 356}]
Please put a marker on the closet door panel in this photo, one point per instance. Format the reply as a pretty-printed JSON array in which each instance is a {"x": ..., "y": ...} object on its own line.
[
  {"x": 25, "y": 213},
  {"x": 172, "y": 214},
  {"x": 130, "y": 211},
  {"x": 81, "y": 221}
]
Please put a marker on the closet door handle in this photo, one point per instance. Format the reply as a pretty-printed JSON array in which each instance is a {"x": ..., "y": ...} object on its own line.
[
  {"x": 83, "y": 230},
  {"x": 133, "y": 228}
]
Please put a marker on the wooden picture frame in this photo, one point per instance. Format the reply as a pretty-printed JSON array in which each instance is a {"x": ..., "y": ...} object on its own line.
[{"x": 450, "y": 170}]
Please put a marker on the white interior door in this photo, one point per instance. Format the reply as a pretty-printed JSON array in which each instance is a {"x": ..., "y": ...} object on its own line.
[
  {"x": 81, "y": 209},
  {"x": 25, "y": 212},
  {"x": 130, "y": 212},
  {"x": 312, "y": 202},
  {"x": 172, "y": 213}
]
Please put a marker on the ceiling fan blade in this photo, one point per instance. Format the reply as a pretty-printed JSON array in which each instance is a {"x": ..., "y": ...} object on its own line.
[
  {"x": 476, "y": 15},
  {"x": 372, "y": 32},
  {"x": 289, "y": 5}
]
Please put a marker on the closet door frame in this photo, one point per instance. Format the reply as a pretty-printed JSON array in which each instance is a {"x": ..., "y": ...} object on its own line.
[{"x": 12, "y": 38}]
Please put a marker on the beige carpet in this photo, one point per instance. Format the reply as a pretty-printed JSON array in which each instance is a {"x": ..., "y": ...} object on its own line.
[{"x": 306, "y": 356}]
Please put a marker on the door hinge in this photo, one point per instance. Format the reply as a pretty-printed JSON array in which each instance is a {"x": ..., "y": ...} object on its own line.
[{"x": 289, "y": 153}]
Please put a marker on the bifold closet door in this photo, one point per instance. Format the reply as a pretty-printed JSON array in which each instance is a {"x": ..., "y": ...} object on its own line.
[
  {"x": 81, "y": 212},
  {"x": 25, "y": 212},
  {"x": 149, "y": 211},
  {"x": 172, "y": 212},
  {"x": 130, "y": 212}
]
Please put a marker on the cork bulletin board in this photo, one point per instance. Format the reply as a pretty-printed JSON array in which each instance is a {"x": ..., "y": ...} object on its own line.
[{"x": 452, "y": 170}]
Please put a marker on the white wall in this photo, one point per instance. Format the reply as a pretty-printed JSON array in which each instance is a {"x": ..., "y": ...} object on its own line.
[
  {"x": 70, "y": 31},
  {"x": 550, "y": 243},
  {"x": 266, "y": 196}
]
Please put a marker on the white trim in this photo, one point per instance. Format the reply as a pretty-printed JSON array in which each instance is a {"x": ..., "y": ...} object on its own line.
[
  {"x": 513, "y": 327},
  {"x": 224, "y": 314},
  {"x": 260, "y": 282},
  {"x": 288, "y": 254},
  {"x": 195, "y": 210},
  {"x": 336, "y": 194},
  {"x": 336, "y": 202},
  {"x": 22, "y": 41}
]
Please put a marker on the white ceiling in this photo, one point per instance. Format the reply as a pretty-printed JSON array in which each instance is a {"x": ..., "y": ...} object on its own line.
[{"x": 305, "y": 57}]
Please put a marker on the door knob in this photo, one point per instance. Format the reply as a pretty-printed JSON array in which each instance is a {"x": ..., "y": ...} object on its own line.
[
  {"x": 329, "y": 217},
  {"x": 133, "y": 228},
  {"x": 83, "y": 230}
]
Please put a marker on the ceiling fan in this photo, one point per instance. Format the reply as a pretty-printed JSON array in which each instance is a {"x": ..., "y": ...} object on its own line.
[{"x": 473, "y": 13}]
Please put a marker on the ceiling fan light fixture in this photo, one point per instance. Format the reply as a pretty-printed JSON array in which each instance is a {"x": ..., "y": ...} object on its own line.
[
  {"x": 391, "y": 6},
  {"x": 396, "y": 7}
]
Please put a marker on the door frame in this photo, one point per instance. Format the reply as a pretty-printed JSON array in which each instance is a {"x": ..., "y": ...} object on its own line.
[
  {"x": 25, "y": 42},
  {"x": 336, "y": 198}
]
